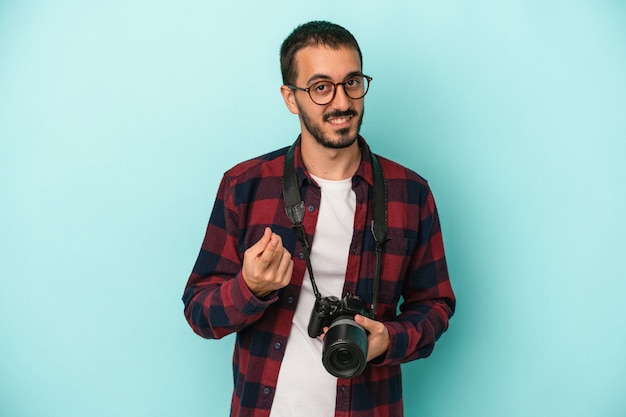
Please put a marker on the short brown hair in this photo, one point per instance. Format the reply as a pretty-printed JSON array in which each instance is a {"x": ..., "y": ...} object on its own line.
[{"x": 313, "y": 34}]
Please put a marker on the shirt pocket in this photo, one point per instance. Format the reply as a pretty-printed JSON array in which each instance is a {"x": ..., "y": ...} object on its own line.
[{"x": 397, "y": 254}]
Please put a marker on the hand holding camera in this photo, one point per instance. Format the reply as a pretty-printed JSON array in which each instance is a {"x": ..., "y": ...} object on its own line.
[{"x": 378, "y": 339}]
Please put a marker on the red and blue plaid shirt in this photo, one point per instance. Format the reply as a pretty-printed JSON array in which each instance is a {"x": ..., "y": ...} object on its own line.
[{"x": 414, "y": 275}]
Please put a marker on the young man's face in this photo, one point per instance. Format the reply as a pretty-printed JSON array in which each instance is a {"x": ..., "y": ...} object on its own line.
[{"x": 336, "y": 124}]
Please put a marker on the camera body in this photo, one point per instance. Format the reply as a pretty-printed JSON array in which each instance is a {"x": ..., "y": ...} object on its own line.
[{"x": 344, "y": 353}]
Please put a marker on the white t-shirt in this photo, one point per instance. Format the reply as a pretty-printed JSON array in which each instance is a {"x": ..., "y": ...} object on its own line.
[{"x": 304, "y": 387}]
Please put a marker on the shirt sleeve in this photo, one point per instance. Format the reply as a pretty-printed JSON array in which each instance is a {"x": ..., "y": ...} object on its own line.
[{"x": 217, "y": 300}]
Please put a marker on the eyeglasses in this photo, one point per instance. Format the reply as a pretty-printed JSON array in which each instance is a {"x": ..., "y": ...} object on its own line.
[{"x": 323, "y": 92}]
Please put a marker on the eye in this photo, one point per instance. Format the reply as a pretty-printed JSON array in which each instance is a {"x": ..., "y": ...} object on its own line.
[
  {"x": 354, "y": 83},
  {"x": 323, "y": 87}
]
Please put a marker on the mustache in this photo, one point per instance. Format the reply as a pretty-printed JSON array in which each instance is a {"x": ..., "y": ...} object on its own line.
[{"x": 337, "y": 113}]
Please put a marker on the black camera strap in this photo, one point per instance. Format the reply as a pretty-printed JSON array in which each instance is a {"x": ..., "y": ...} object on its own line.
[{"x": 294, "y": 206}]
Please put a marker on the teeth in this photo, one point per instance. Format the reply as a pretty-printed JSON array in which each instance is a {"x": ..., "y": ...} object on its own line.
[{"x": 339, "y": 121}]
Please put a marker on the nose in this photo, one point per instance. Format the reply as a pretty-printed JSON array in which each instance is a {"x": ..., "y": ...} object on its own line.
[{"x": 341, "y": 101}]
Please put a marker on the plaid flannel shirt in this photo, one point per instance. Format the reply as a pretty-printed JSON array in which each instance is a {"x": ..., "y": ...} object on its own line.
[{"x": 414, "y": 275}]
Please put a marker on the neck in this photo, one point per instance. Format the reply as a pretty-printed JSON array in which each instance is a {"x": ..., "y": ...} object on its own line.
[{"x": 328, "y": 163}]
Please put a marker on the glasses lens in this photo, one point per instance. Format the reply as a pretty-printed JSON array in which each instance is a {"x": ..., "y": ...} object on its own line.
[
  {"x": 322, "y": 92},
  {"x": 356, "y": 87}
]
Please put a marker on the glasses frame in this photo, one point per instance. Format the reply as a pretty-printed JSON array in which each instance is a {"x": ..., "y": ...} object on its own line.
[{"x": 335, "y": 86}]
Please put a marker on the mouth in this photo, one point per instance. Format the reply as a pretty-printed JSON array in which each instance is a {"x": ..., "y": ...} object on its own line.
[{"x": 340, "y": 120}]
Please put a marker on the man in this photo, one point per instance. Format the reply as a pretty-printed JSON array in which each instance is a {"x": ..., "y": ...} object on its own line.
[{"x": 246, "y": 280}]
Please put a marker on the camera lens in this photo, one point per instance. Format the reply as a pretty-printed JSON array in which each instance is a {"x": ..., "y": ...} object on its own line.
[
  {"x": 345, "y": 348},
  {"x": 343, "y": 359}
]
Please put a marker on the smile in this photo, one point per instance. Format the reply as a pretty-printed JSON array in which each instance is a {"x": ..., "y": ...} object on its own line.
[{"x": 339, "y": 121}]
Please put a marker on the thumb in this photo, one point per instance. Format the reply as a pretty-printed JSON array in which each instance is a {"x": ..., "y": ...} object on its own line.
[{"x": 364, "y": 321}]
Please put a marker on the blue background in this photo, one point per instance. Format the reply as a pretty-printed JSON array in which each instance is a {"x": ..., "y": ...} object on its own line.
[{"x": 118, "y": 118}]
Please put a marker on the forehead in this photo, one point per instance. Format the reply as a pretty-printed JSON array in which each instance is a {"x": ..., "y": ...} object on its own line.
[{"x": 315, "y": 62}]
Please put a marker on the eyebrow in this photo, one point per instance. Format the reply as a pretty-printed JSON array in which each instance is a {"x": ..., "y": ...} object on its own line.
[{"x": 317, "y": 77}]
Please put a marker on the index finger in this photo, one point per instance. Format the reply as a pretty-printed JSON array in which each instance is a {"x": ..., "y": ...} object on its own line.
[{"x": 274, "y": 246}]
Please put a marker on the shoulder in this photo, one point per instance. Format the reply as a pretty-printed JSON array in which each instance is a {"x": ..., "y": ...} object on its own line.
[
  {"x": 404, "y": 185},
  {"x": 393, "y": 171},
  {"x": 267, "y": 165}
]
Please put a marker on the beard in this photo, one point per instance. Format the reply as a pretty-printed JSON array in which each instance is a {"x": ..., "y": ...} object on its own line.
[{"x": 345, "y": 137}]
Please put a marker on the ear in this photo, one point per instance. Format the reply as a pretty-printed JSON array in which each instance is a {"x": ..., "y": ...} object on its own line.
[{"x": 290, "y": 99}]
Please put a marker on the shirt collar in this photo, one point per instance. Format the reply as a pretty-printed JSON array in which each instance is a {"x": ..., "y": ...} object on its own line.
[{"x": 364, "y": 171}]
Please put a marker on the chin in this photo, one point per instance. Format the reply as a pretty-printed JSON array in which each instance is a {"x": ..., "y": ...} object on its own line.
[{"x": 340, "y": 141}]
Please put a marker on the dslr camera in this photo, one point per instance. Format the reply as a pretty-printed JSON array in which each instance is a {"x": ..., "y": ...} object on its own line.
[{"x": 344, "y": 354}]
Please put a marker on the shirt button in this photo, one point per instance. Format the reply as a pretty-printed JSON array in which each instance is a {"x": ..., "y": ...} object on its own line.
[
  {"x": 311, "y": 208},
  {"x": 267, "y": 391},
  {"x": 277, "y": 346},
  {"x": 290, "y": 300},
  {"x": 301, "y": 255}
]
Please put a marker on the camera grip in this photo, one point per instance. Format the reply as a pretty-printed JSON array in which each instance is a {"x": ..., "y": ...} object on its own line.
[{"x": 316, "y": 323}]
